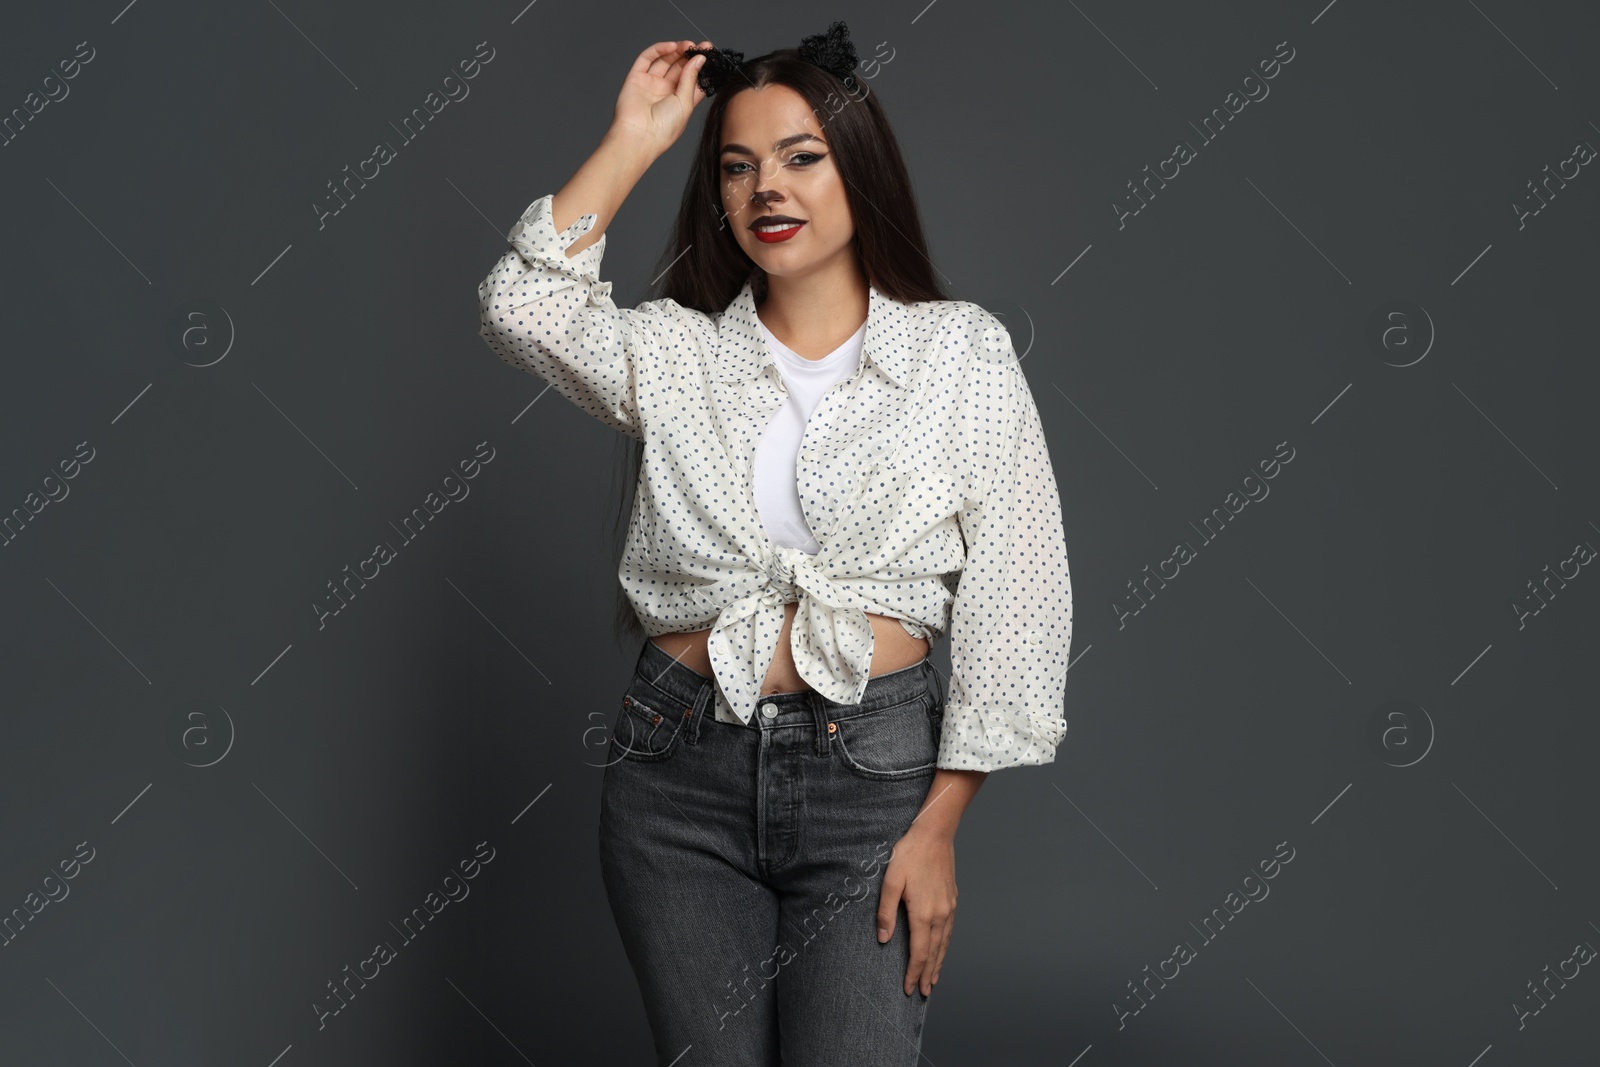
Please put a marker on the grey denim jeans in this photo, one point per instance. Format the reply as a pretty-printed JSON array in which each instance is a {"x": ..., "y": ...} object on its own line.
[{"x": 743, "y": 866}]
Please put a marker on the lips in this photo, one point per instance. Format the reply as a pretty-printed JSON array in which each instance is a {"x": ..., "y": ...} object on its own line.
[
  {"x": 790, "y": 227},
  {"x": 764, "y": 220}
]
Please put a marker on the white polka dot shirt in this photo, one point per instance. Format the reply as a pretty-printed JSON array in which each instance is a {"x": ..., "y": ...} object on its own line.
[{"x": 924, "y": 477}]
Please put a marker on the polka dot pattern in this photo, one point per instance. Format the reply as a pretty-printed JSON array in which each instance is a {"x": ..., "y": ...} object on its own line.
[{"x": 924, "y": 476}]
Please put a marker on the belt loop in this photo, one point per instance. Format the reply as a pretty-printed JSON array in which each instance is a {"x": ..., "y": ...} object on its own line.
[{"x": 819, "y": 714}]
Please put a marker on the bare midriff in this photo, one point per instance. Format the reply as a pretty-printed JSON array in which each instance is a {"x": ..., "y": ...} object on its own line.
[{"x": 892, "y": 649}]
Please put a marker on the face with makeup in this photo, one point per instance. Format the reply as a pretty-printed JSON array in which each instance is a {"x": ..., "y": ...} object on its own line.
[{"x": 776, "y": 162}]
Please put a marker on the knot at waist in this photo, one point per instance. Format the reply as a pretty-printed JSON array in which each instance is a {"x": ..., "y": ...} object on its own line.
[
  {"x": 831, "y": 637},
  {"x": 790, "y": 572}
]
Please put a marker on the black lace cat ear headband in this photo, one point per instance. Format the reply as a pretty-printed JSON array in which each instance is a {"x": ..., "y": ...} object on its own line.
[{"x": 831, "y": 50}]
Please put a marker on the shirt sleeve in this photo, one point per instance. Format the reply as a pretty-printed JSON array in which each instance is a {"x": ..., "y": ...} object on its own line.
[
  {"x": 1011, "y": 621},
  {"x": 553, "y": 317}
]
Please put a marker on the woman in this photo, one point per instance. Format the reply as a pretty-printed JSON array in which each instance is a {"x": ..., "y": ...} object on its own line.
[{"x": 836, "y": 464}]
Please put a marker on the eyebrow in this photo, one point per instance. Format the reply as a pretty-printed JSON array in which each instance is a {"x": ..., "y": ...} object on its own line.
[{"x": 777, "y": 146}]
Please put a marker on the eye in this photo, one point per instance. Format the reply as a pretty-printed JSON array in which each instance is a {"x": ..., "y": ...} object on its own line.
[{"x": 803, "y": 159}]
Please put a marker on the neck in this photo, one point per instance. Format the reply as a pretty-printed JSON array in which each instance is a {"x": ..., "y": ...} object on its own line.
[{"x": 815, "y": 313}]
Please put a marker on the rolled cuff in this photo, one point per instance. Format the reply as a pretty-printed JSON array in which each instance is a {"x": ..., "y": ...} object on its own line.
[{"x": 994, "y": 737}]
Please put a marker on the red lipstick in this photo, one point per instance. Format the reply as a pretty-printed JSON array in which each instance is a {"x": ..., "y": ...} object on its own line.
[{"x": 770, "y": 229}]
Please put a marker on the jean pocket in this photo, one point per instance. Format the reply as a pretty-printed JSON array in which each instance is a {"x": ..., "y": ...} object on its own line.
[
  {"x": 896, "y": 742},
  {"x": 644, "y": 729}
]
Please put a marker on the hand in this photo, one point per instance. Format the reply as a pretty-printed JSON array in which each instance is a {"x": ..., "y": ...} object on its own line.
[
  {"x": 659, "y": 94},
  {"x": 922, "y": 870}
]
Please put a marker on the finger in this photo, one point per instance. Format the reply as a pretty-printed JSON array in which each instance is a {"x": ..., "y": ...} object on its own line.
[
  {"x": 651, "y": 54},
  {"x": 698, "y": 61},
  {"x": 679, "y": 60},
  {"x": 941, "y": 944},
  {"x": 689, "y": 90},
  {"x": 666, "y": 61},
  {"x": 683, "y": 48},
  {"x": 921, "y": 947},
  {"x": 935, "y": 957},
  {"x": 888, "y": 907},
  {"x": 949, "y": 927}
]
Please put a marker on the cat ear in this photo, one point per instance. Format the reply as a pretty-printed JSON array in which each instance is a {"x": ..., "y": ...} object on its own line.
[
  {"x": 831, "y": 50},
  {"x": 721, "y": 65}
]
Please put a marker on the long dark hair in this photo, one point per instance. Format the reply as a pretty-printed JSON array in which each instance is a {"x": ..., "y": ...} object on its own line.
[{"x": 888, "y": 228}]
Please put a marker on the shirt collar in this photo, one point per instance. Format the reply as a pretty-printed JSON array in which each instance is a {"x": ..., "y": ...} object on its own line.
[{"x": 742, "y": 351}]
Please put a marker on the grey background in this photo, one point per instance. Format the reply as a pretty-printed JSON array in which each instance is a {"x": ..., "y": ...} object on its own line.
[{"x": 452, "y": 702}]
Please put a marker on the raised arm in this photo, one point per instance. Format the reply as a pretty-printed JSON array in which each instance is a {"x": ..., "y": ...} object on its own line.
[
  {"x": 652, "y": 111},
  {"x": 543, "y": 308}
]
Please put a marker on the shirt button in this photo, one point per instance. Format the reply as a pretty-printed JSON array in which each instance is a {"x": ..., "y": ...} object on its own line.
[
  {"x": 808, "y": 455},
  {"x": 770, "y": 710}
]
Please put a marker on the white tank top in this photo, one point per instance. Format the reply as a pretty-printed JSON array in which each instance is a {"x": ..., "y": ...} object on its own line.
[{"x": 776, "y": 492}]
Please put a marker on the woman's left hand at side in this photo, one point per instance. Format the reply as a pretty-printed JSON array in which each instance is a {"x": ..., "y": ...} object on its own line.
[{"x": 922, "y": 872}]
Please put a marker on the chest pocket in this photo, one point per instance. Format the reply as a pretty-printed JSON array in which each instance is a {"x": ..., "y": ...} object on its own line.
[
  {"x": 856, "y": 458},
  {"x": 832, "y": 474},
  {"x": 848, "y": 468},
  {"x": 918, "y": 477}
]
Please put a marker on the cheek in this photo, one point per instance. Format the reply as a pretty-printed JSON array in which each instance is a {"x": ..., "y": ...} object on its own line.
[
  {"x": 838, "y": 232},
  {"x": 735, "y": 203}
]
